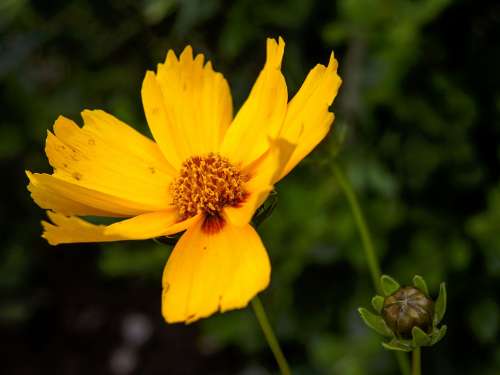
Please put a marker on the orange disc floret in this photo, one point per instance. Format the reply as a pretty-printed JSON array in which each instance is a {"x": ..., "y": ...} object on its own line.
[{"x": 207, "y": 184}]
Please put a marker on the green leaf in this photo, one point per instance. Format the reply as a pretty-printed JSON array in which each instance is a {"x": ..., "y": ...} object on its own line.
[
  {"x": 389, "y": 285},
  {"x": 378, "y": 303},
  {"x": 419, "y": 283},
  {"x": 265, "y": 211},
  {"x": 419, "y": 337},
  {"x": 394, "y": 345},
  {"x": 375, "y": 322},
  {"x": 440, "y": 306},
  {"x": 438, "y": 335}
]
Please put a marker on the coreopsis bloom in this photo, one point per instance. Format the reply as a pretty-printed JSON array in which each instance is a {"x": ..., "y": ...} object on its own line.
[{"x": 205, "y": 174}]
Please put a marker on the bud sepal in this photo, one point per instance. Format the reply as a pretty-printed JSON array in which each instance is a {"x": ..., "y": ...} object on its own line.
[{"x": 407, "y": 316}]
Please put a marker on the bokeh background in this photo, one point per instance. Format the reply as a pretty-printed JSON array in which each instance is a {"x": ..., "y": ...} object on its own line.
[{"x": 418, "y": 124}]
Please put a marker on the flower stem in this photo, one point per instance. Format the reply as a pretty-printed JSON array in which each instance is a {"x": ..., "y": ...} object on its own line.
[
  {"x": 361, "y": 224},
  {"x": 416, "y": 368},
  {"x": 273, "y": 343},
  {"x": 404, "y": 364},
  {"x": 371, "y": 256}
]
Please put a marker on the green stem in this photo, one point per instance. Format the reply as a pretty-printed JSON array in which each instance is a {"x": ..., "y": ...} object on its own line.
[
  {"x": 362, "y": 227},
  {"x": 368, "y": 247},
  {"x": 416, "y": 367},
  {"x": 404, "y": 364},
  {"x": 273, "y": 343}
]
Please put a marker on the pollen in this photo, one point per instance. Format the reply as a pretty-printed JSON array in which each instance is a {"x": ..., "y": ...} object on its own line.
[{"x": 207, "y": 184}]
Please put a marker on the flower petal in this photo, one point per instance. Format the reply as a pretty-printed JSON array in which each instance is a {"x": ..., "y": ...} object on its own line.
[
  {"x": 126, "y": 139},
  {"x": 46, "y": 197},
  {"x": 127, "y": 165},
  {"x": 71, "y": 229},
  {"x": 188, "y": 106},
  {"x": 54, "y": 193},
  {"x": 150, "y": 225},
  {"x": 308, "y": 119},
  {"x": 207, "y": 272},
  {"x": 263, "y": 172},
  {"x": 261, "y": 116}
]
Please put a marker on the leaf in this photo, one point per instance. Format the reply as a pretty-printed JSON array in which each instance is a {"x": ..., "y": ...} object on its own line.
[
  {"x": 375, "y": 322},
  {"x": 265, "y": 211},
  {"x": 170, "y": 240},
  {"x": 437, "y": 336},
  {"x": 378, "y": 303},
  {"x": 389, "y": 285},
  {"x": 394, "y": 345},
  {"x": 419, "y": 337},
  {"x": 440, "y": 306},
  {"x": 419, "y": 283}
]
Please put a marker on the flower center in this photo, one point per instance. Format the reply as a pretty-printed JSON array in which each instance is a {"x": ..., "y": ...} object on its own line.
[{"x": 207, "y": 184}]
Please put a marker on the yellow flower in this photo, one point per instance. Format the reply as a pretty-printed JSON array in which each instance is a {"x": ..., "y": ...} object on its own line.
[{"x": 206, "y": 174}]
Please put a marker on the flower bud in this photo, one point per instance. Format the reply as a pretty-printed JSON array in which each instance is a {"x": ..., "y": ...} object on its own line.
[{"x": 408, "y": 307}]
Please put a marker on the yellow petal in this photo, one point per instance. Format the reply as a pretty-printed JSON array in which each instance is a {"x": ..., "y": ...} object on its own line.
[
  {"x": 71, "y": 229},
  {"x": 188, "y": 106},
  {"x": 126, "y": 139},
  {"x": 150, "y": 225},
  {"x": 261, "y": 116},
  {"x": 51, "y": 193},
  {"x": 263, "y": 172},
  {"x": 210, "y": 272},
  {"x": 45, "y": 196},
  {"x": 308, "y": 119},
  {"x": 127, "y": 165}
]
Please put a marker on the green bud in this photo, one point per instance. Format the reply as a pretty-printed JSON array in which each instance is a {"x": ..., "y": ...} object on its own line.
[
  {"x": 406, "y": 316},
  {"x": 407, "y": 308}
]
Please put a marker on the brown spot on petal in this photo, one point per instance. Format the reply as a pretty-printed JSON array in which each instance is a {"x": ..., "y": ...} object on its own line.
[{"x": 212, "y": 224}]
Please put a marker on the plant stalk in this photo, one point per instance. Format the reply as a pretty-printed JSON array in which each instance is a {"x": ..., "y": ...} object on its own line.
[
  {"x": 362, "y": 226},
  {"x": 368, "y": 247},
  {"x": 416, "y": 366},
  {"x": 272, "y": 341}
]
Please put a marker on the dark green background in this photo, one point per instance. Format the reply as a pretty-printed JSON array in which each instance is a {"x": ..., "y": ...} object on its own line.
[{"x": 418, "y": 119}]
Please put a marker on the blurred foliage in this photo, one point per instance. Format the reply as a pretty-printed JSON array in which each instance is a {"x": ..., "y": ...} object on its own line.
[{"x": 417, "y": 119}]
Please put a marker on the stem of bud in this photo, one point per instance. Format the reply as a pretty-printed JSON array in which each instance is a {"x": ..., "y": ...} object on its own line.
[
  {"x": 371, "y": 257},
  {"x": 415, "y": 355}
]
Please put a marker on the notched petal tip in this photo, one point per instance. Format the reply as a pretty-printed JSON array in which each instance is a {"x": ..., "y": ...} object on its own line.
[
  {"x": 274, "y": 52},
  {"x": 187, "y": 57},
  {"x": 31, "y": 182},
  {"x": 209, "y": 67},
  {"x": 187, "y": 53},
  {"x": 148, "y": 76},
  {"x": 171, "y": 58},
  {"x": 333, "y": 63},
  {"x": 332, "y": 67},
  {"x": 199, "y": 60}
]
